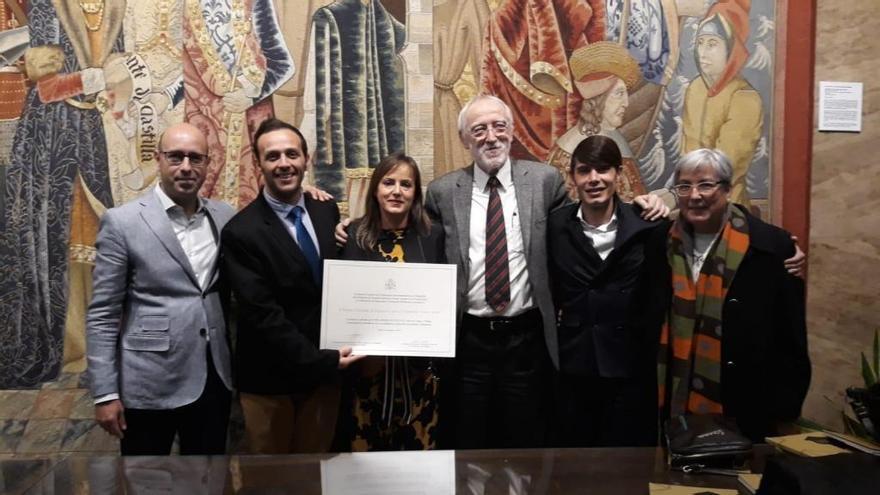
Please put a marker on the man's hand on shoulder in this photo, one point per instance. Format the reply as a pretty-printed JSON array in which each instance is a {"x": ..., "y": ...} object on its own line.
[
  {"x": 797, "y": 264},
  {"x": 317, "y": 194},
  {"x": 111, "y": 416},
  {"x": 653, "y": 207},
  {"x": 346, "y": 358},
  {"x": 340, "y": 233}
]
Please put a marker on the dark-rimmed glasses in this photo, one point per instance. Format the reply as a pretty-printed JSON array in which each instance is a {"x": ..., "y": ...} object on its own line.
[{"x": 175, "y": 157}]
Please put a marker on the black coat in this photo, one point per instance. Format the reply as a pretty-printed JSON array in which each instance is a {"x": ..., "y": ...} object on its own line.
[
  {"x": 279, "y": 304},
  {"x": 600, "y": 304},
  {"x": 765, "y": 367}
]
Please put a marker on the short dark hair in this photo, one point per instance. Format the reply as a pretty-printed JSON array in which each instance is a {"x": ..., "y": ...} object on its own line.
[
  {"x": 273, "y": 124},
  {"x": 599, "y": 152}
]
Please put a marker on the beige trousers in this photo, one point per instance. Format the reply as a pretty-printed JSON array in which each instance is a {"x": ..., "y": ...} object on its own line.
[{"x": 291, "y": 424}]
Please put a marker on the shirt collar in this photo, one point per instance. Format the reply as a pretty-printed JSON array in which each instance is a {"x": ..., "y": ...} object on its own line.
[
  {"x": 504, "y": 175},
  {"x": 169, "y": 204},
  {"x": 280, "y": 207},
  {"x": 605, "y": 227}
]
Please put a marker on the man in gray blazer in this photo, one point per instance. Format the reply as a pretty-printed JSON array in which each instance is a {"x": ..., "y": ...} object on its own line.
[
  {"x": 494, "y": 216},
  {"x": 158, "y": 354}
]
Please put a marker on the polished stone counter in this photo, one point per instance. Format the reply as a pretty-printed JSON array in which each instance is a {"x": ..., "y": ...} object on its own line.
[{"x": 548, "y": 471}]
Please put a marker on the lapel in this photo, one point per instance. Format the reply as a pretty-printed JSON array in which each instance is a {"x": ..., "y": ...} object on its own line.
[
  {"x": 157, "y": 220},
  {"x": 629, "y": 224},
  {"x": 278, "y": 231},
  {"x": 216, "y": 226},
  {"x": 576, "y": 231},
  {"x": 461, "y": 211},
  {"x": 323, "y": 226},
  {"x": 522, "y": 184}
]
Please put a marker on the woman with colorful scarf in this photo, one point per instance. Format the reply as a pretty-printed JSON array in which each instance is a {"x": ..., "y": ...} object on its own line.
[{"x": 733, "y": 338}]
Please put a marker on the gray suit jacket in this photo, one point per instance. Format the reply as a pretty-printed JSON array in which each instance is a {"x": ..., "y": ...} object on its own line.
[
  {"x": 149, "y": 320},
  {"x": 539, "y": 190}
]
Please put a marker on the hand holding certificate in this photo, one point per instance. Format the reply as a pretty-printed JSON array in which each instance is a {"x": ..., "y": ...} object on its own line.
[{"x": 389, "y": 309}]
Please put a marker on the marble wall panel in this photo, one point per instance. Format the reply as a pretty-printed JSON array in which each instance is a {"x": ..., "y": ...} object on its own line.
[{"x": 843, "y": 306}]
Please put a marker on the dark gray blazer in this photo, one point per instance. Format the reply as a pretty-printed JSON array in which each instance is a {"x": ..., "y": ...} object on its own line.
[
  {"x": 149, "y": 320},
  {"x": 539, "y": 190}
]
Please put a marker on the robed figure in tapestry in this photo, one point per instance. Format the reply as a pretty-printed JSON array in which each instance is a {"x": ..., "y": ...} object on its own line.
[
  {"x": 57, "y": 184},
  {"x": 358, "y": 87}
]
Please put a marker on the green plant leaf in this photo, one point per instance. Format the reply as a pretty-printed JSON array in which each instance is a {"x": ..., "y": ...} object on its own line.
[
  {"x": 853, "y": 427},
  {"x": 877, "y": 353},
  {"x": 867, "y": 373}
]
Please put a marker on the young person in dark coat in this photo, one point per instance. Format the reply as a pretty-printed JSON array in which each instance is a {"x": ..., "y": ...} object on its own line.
[
  {"x": 607, "y": 385},
  {"x": 733, "y": 338},
  {"x": 391, "y": 403}
]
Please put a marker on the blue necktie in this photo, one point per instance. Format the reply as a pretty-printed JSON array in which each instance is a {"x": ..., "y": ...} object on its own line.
[{"x": 305, "y": 243}]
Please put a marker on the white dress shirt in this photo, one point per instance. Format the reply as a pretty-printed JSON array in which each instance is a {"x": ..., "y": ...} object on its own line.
[
  {"x": 196, "y": 236},
  {"x": 282, "y": 209},
  {"x": 603, "y": 236},
  {"x": 520, "y": 288},
  {"x": 702, "y": 245}
]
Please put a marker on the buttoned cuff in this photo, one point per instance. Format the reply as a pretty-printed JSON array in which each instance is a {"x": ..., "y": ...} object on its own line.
[{"x": 106, "y": 398}]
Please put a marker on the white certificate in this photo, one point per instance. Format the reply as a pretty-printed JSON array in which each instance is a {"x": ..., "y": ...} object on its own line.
[{"x": 389, "y": 309}]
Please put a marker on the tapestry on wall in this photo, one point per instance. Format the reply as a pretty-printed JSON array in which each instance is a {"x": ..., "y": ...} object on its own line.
[
  {"x": 91, "y": 84},
  {"x": 660, "y": 77},
  {"x": 88, "y": 89}
]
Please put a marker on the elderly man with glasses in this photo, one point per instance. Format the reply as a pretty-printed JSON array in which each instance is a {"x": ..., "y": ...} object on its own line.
[{"x": 731, "y": 317}]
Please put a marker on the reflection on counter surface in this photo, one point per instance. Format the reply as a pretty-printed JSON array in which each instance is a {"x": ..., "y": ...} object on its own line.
[{"x": 519, "y": 472}]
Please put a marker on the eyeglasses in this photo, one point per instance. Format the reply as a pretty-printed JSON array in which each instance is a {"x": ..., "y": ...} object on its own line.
[
  {"x": 177, "y": 157},
  {"x": 703, "y": 188},
  {"x": 482, "y": 130}
]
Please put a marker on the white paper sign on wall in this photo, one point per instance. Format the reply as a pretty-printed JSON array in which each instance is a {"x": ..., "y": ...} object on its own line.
[{"x": 840, "y": 106}]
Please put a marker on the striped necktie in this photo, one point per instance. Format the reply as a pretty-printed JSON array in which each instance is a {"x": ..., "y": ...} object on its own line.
[
  {"x": 306, "y": 245},
  {"x": 497, "y": 270}
]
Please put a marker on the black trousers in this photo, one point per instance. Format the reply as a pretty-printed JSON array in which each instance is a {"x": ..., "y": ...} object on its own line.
[
  {"x": 502, "y": 387},
  {"x": 201, "y": 425},
  {"x": 606, "y": 412}
]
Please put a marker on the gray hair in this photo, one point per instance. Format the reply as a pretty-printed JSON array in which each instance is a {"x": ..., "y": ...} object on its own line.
[
  {"x": 467, "y": 106},
  {"x": 704, "y": 157}
]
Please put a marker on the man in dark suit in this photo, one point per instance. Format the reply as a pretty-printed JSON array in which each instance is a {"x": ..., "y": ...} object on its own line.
[
  {"x": 158, "y": 355},
  {"x": 273, "y": 252}
]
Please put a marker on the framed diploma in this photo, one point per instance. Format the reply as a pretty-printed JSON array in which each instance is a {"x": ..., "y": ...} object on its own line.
[{"x": 389, "y": 309}]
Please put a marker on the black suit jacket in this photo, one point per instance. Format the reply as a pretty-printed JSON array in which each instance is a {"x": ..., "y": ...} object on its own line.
[
  {"x": 600, "y": 303},
  {"x": 279, "y": 304}
]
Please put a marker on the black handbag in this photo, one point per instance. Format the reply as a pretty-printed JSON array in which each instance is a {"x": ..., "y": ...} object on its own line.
[{"x": 706, "y": 443}]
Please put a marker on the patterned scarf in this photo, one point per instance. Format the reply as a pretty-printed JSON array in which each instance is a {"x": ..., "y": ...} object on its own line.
[
  {"x": 389, "y": 245},
  {"x": 689, "y": 370}
]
